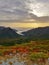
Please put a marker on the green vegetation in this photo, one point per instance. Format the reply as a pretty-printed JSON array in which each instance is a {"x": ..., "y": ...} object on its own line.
[{"x": 33, "y": 49}]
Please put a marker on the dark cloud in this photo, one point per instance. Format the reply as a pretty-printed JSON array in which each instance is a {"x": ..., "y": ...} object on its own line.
[{"x": 40, "y": 19}]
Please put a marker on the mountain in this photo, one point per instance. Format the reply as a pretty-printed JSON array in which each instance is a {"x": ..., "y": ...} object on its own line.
[
  {"x": 7, "y": 32},
  {"x": 33, "y": 34},
  {"x": 37, "y": 33}
]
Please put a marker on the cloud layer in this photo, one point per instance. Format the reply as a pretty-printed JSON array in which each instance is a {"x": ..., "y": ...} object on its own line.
[{"x": 19, "y": 10}]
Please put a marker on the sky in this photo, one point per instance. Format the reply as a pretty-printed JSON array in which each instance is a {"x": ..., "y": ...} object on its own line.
[{"x": 24, "y": 13}]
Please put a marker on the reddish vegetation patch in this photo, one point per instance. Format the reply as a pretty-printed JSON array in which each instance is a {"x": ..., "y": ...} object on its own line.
[
  {"x": 28, "y": 48},
  {"x": 36, "y": 50},
  {"x": 17, "y": 49}
]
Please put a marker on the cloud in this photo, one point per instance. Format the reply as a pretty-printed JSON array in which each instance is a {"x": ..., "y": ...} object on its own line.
[
  {"x": 24, "y": 10},
  {"x": 39, "y": 19},
  {"x": 14, "y": 9},
  {"x": 38, "y": 7}
]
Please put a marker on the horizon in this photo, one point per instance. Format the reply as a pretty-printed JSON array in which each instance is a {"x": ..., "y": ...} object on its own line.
[
  {"x": 19, "y": 30},
  {"x": 23, "y": 26},
  {"x": 20, "y": 27}
]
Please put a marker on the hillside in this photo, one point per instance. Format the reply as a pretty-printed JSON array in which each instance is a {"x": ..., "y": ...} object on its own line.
[
  {"x": 9, "y": 36},
  {"x": 7, "y": 32},
  {"x": 37, "y": 33}
]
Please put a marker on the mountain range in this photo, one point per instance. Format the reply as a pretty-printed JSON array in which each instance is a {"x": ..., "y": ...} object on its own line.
[{"x": 33, "y": 34}]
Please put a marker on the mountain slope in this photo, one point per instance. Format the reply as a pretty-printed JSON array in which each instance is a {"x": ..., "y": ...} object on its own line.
[
  {"x": 37, "y": 33},
  {"x": 8, "y": 33}
]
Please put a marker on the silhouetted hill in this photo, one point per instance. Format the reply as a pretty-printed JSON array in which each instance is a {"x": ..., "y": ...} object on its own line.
[
  {"x": 37, "y": 33},
  {"x": 41, "y": 33},
  {"x": 7, "y": 32}
]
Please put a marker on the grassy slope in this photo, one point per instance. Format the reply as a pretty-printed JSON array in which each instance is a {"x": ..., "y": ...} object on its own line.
[{"x": 34, "y": 49}]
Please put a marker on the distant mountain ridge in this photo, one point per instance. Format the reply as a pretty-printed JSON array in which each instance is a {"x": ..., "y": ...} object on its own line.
[
  {"x": 7, "y": 32},
  {"x": 37, "y": 33},
  {"x": 33, "y": 34}
]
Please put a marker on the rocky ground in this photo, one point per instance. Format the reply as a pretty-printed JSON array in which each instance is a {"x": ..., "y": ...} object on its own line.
[{"x": 19, "y": 59}]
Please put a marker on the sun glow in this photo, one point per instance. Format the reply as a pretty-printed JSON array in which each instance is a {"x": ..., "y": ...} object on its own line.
[
  {"x": 24, "y": 25},
  {"x": 37, "y": 8}
]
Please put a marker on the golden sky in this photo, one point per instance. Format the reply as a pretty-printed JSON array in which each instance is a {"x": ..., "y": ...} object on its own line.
[{"x": 23, "y": 25}]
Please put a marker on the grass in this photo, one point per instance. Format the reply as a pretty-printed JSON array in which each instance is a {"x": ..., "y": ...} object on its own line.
[{"x": 33, "y": 49}]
